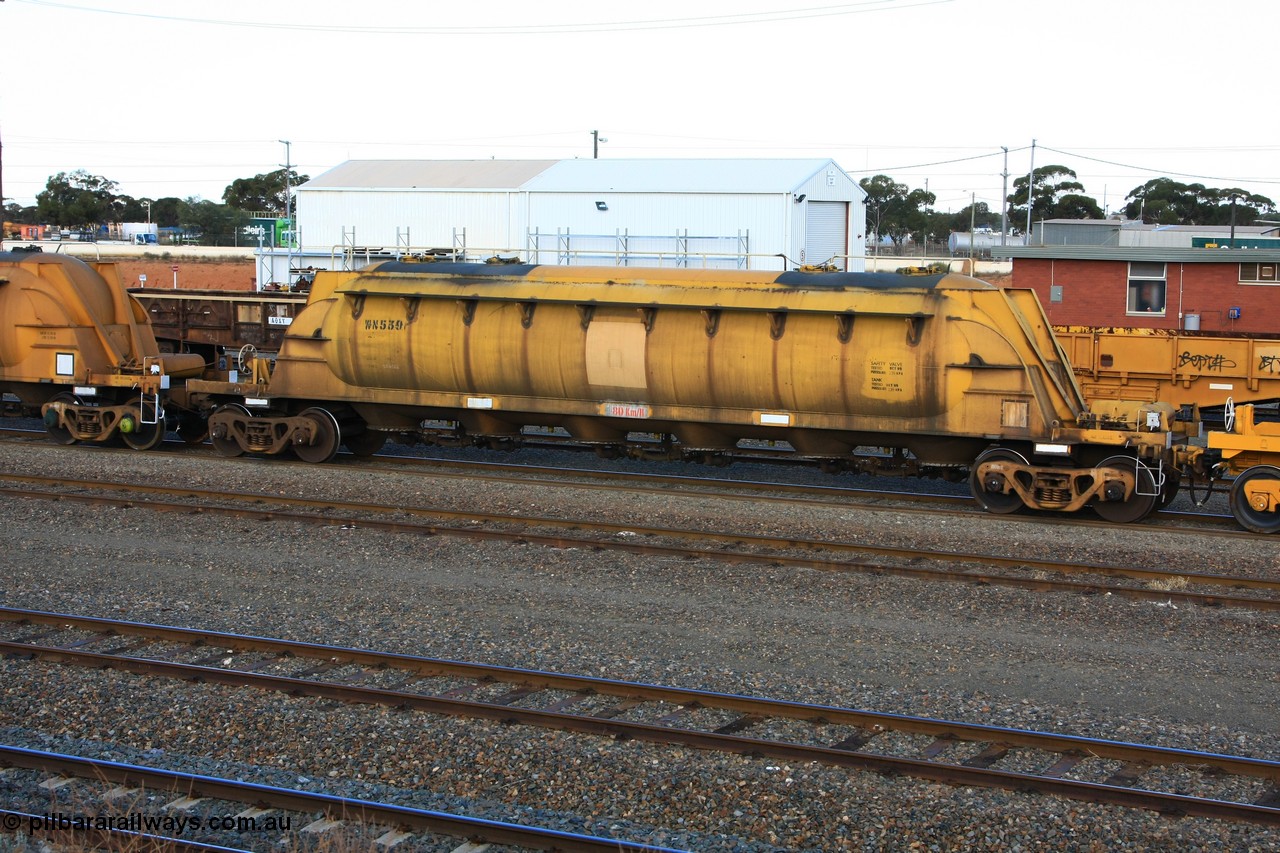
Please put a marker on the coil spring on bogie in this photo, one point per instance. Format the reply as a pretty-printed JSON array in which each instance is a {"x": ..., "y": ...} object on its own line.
[
  {"x": 87, "y": 424},
  {"x": 258, "y": 436},
  {"x": 1053, "y": 497}
]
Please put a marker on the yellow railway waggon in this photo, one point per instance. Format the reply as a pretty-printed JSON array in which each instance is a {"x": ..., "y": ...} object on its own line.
[
  {"x": 1178, "y": 368},
  {"x": 937, "y": 375},
  {"x": 75, "y": 348},
  {"x": 1249, "y": 451},
  {"x": 951, "y": 375}
]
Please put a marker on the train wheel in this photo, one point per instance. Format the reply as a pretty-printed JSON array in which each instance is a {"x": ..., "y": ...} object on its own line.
[
  {"x": 227, "y": 446},
  {"x": 139, "y": 435},
  {"x": 365, "y": 443},
  {"x": 995, "y": 500},
  {"x": 59, "y": 434},
  {"x": 327, "y": 437},
  {"x": 1257, "y": 520},
  {"x": 1140, "y": 504}
]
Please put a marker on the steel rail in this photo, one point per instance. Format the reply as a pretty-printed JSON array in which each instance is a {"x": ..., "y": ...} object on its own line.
[
  {"x": 757, "y": 540},
  {"x": 468, "y": 467},
  {"x": 724, "y": 489},
  {"x": 476, "y": 829},
  {"x": 803, "y": 494},
  {"x": 527, "y": 536},
  {"x": 752, "y": 711}
]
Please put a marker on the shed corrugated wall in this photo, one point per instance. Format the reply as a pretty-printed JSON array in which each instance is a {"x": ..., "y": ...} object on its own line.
[
  {"x": 429, "y": 217},
  {"x": 655, "y": 222},
  {"x": 333, "y": 212}
]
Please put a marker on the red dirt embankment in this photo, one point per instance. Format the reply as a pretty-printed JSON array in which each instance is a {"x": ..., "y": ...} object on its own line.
[{"x": 192, "y": 274}]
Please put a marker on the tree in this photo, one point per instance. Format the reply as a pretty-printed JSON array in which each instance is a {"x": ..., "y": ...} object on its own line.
[
  {"x": 129, "y": 209},
  {"x": 215, "y": 224},
  {"x": 167, "y": 212},
  {"x": 14, "y": 212},
  {"x": 976, "y": 215},
  {"x": 1052, "y": 197},
  {"x": 1163, "y": 201},
  {"x": 1075, "y": 206},
  {"x": 77, "y": 199},
  {"x": 894, "y": 211},
  {"x": 263, "y": 192},
  {"x": 1235, "y": 205}
]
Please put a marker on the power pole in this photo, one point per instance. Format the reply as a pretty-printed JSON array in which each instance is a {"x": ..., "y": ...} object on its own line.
[
  {"x": 1233, "y": 219},
  {"x": 1004, "y": 196},
  {"x": 288, "y": 212},
  {"x": 1, "y": 190},
  {"x": 973, "y": 213},
  {"x": 1031, "y": 180},
  {"x": 924, "y": 242}
]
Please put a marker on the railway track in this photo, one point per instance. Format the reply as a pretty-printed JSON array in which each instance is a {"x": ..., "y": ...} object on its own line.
[
  {"x": 844, "y": 497},
  {"x": 1169, "y": 781},
  {"x": 877, "y": 499},
  {"x": 390, "y": 824},
  {"x": 1017, "y": 571}
]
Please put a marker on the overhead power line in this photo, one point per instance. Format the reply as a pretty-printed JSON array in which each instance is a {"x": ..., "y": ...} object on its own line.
[
  {"x": 732, "y": 19},
  {"x": 998, "y": 153},
  {"x": 1158, "y": 171}
]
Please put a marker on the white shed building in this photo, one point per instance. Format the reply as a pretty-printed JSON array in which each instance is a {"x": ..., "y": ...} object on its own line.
[{"x": 720, "y": 213}]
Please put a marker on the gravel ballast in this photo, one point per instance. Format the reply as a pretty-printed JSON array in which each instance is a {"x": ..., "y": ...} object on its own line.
[{"x": 1099, "y": 666}]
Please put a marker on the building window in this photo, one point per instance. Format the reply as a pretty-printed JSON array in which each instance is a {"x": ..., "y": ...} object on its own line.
[
  {"x": 1258, "y": 273},
  {"x": 1146, "y": 287}
]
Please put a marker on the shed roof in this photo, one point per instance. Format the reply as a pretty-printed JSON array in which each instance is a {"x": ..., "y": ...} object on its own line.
[
  {"x": 1139, "y": 225},
  {"x": 756, "y": 175},
  {"x": 1177, "y": 255},
  {"x": 1240, "y": 230},
  {"x": 430, "y": 174},
  {"x": 1108, "y": 223}
]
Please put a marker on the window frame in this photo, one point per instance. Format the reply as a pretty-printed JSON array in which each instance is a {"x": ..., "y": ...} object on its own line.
[
  {"x": 1258, "y": 273},
  {"x": 1138, "y": 278}
]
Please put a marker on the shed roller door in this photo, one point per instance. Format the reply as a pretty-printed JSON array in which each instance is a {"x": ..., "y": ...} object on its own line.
[{"x": 826, "y": 232}]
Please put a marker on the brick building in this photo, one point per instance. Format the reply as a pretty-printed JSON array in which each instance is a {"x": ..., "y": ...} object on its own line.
[{"x": 1210, "y": 289}]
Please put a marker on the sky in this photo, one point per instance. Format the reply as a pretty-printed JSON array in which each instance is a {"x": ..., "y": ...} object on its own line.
[{"x": 181, "y": 98}]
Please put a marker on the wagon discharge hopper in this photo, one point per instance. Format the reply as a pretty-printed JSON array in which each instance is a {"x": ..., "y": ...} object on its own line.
[
  {"x": 1249, "y": 453},
  {"x": 75, "y": 348},
  {"x": 954, "y": 376}
]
